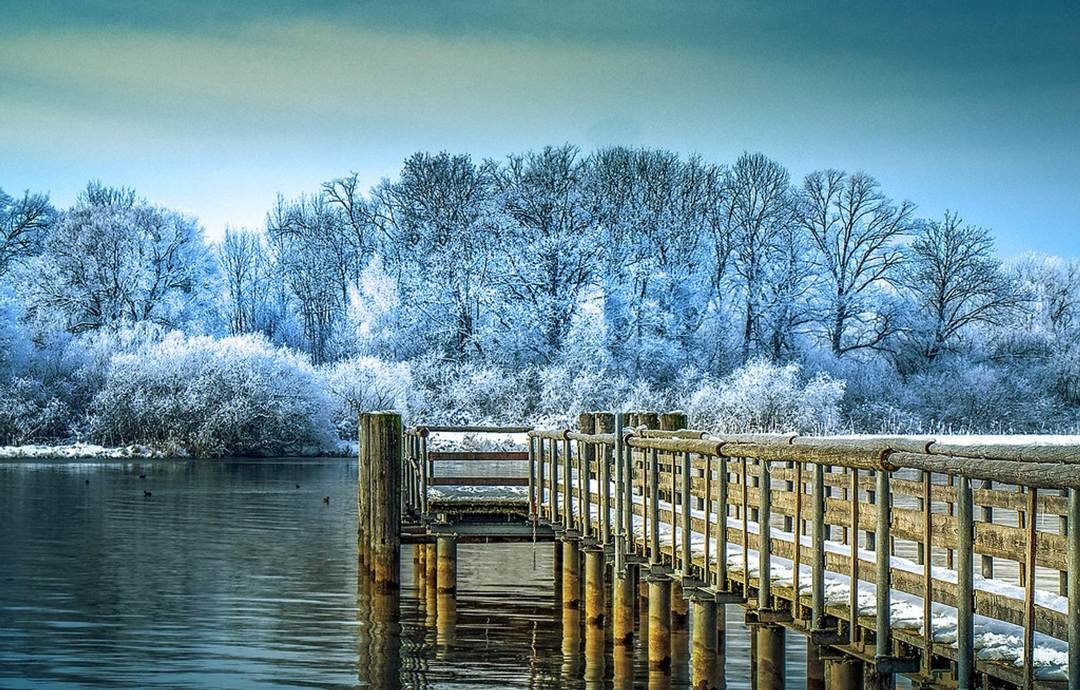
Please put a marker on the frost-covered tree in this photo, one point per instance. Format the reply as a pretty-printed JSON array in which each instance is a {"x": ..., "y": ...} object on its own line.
[
  {"x": 438, "y": 244},
  {"x": 956, "y": 283},
  {"x": 654, "y": 211},
  {"x": 114, "y": 259},
  {"x": 758, "y": 208},
  {"x": 317, "y": 264},
  {"x": 549, "y": 249}
]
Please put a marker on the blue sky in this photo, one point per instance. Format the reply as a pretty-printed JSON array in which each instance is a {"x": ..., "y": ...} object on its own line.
[{"x": 216, "y": 107}]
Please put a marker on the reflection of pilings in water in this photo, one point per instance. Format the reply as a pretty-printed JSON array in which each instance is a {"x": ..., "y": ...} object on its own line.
[
  {"x": 595, "y": 616},
  {"x": 385, "y": 646},
  {"x": 431, "y": 576},
  {"x": 571, "y": 644},
  {"x": 770, "y": 657},
  {"x": 446, "y": 623},
  {"x": 844, "y": 674},
  {"x": 623, "y": 596},
  {"x": 680, "y": 636},
  {"x": 815, "y": 667},
  {"x": 378, "y": 639},
  {"x": 623, "y": 667},
  {"x": 571, "y": 576},
  {"x": 659, "y": 624},
  {"x": 705, "y": 654}
]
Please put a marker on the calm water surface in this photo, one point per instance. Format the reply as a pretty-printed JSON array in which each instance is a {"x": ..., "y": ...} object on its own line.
[{"x": 236, "y": 574}]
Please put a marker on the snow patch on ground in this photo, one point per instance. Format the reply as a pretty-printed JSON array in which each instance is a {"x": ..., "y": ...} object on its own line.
[{"x": 82, "y": 450}]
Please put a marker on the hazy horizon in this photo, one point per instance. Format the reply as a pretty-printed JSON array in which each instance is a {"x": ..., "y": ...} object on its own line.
[{"x": 216, "y": 111}]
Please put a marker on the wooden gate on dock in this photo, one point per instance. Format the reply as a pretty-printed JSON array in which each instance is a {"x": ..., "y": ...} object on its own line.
[{"x": 944, "y": 560}]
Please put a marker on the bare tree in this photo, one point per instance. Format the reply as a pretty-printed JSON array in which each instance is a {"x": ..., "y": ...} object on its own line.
[
  {"x": 22, "y": 225},
  {"x": 757, "y": 207},
  {"x": 855, "y": 229},
  {"x": 956, "y": 281}
]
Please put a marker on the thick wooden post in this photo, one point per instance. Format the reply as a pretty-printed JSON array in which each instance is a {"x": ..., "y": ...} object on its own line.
[
  {"x": 382, "y": 454},
  {"x": 705, "y": 636},
  {"x": 363, "y": 492},
  {"x": 446, "y": 555},
  {"x": 770, "y": 657},
  {"x": 660, "y": 624},
  {"x": 843, "y": 674},
  {"x": 624, "y": 593}
]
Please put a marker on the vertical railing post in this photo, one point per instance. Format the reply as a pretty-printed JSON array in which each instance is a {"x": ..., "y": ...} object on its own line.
[
  {"x": 817, "y": 535},
  {"x": 568, "y": 485},
  {"x": 532, "y": 479},
  {"x": 556, "y": 515},
  {"x": 654, "y": 508},
  {"x": 965, "y": 600},
  {"x": 853, "y": 589},
  {"x": 687, "y": 561},
  {"x": 621, "y": 497},
  {"x": 1074, "y": 585},
  {"x": 882, "y": 636},
  {"x": 721, "y": 522},
  {"x": 605, "y": 424},
  {"x": 764, "y": 535},
  {"x": 586, "y": 455},
  {"x": 424, "y": 480}
]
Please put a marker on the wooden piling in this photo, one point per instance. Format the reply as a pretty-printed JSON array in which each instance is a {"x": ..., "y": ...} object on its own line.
[
  {"x": 382, "y": 455},
  {"x": 571, "y": 576},
  {"x": 770, "y": 657},
  {"x": 660, "y": 623},
  {"x": 624, "y": 593},
  {"x": 844, "y": 674},
  {"x": 446, "y": 557},
  {"x": 815, "y": 667},
  {"x": 704, "y": 640},
  {"x": 595, "y": 614}
]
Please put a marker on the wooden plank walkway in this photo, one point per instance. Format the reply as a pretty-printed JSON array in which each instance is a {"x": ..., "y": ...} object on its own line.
[{"x": 996, "y": 608}]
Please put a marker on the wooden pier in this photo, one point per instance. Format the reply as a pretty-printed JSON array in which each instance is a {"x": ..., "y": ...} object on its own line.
[{"x": 960, "y": 552}]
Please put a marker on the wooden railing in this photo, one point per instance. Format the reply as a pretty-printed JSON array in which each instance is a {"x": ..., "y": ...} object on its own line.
[
  {"x": 636, "y": 489},
  {"x": 420, "y": 470}
]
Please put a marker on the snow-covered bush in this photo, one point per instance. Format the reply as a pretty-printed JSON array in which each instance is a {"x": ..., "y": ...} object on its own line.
[
  {"x": 762, "y": 396},
  {"x": 473, "y": 393},
  {"x": 234, "y": 396},
  {"x": 368, "y": 384}
]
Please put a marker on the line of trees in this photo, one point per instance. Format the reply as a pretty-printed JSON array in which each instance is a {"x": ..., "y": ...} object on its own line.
[{"x": 612, "y": 273}]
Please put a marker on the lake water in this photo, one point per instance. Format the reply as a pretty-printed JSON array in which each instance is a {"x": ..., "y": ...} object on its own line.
[{"x": 237, "y": 574}]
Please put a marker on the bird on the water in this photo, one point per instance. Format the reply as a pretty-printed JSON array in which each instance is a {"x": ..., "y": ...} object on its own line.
[
  {"x": 147, "y": 494},
  {"x": 326, "y": 500}
]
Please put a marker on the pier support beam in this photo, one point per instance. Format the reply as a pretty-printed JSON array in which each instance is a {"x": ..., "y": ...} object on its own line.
[
  {"x": 595, "y": 614},
  {"x": 770, "y": 657},
  {"x": 844, "y": 674},
  {"x": 571, "y": 576},
  {"x": 623, "y": 599},
  {"x": 815, "y": 667},
  {"x": 704, "y": 655},
  {"x": 446, "y": 557},
  {"x": 680, "y": 608},
  {"x": 659, "y": 624}
]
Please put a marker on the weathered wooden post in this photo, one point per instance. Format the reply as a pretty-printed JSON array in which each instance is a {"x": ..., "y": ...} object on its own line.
[
  {"x": 446, "y": 566},
  {"x": 605, "y": 424},
  {"x": 659, "y": 623},
  {"x": 815, "y": 667},
  {"x": 680, "y": 607},
  {"x": 623, "y": 586},
  {"x": 363, "y": 492},
  {"x": 770, "y": 656},
  {"x": 382, "y": 455},
  {"x": 844, "y": 674},
  {"x": 1074, "y": 585},
  {"x": 704, "y": 645}
]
